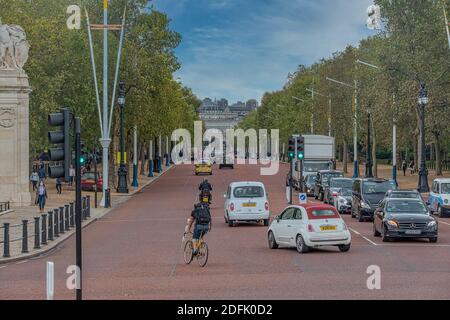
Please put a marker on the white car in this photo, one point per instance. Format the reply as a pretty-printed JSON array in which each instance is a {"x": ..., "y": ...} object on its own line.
[
  {"x": 246, "y": 202},
  {"x": 309, "y": 226}
]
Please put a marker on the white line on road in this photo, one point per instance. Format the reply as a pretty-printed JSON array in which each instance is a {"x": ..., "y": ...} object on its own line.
[
  {"x": 440, "y": 221},
  {"x": 1, "y": 267},
  {"x": 359, "y": 234},
  {"x": 21, "y": 262}
]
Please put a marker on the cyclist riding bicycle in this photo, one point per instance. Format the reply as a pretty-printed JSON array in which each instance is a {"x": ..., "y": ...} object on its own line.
[{"x": 202, "y": 218}]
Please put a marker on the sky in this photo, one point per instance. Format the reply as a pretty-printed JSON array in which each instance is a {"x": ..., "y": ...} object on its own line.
[{"x": 239, "y": 49}]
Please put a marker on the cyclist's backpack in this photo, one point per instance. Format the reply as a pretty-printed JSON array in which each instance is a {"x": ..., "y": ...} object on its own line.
[{"x": 203, "y": 215}]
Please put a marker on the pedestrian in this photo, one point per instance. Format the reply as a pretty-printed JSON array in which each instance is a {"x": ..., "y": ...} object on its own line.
[
  {"x": 404, "y": 167},
  {"x": 41, "y": 195},
  {"x": 58, "y": 185},
  {"x": 72, "y": 175},
  {"x": 34, "y": 178},
  {"x": 41, "y": 173},
  {"x": 411, "y": 167}
]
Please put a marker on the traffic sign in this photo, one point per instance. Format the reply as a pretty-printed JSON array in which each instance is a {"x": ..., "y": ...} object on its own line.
[{"x": 302, "y": 198}]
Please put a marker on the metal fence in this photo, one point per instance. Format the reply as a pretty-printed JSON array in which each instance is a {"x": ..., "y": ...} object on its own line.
[
  {"x": 4, "y": 206},
  {"x": 45, "y": 228}
]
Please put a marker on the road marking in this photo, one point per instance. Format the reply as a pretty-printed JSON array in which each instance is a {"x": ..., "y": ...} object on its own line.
[
  {"x": 359, "y": 234},
  {"x": 21, "y": 262},
  {"x": 2, "y": 267},
  {"x": 440, "y": 221}
]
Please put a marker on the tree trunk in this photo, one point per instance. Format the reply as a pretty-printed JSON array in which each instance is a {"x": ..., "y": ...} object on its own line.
[{"x": 345, "y": 156}]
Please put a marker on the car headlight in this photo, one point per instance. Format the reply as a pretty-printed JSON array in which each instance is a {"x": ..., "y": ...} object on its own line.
[
  {"x": 432, "y": 224},
  {"x": 365, "y": 205},
  {"x": 392, "y": 223}
]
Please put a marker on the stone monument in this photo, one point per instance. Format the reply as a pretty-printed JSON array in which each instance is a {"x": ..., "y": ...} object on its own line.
[{"x": 14, "y": 116}]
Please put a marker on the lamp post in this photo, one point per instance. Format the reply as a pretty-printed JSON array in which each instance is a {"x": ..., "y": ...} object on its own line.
[
  {"x": 122, "y": 187},
  {"x": 355, "y": 122},
  {"x": 423, "y": 171},
  {"x": 312, "y": 114},
  {"x": 314, "y": 92},
  {"x": 369, "y": 163}
]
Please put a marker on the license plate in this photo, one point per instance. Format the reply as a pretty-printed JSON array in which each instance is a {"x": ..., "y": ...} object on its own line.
[
  {"x": 413, "y": 232},
  {"x": 250, "y": 204},
  {"x": 205, "y": 199},
  {"x": 327, "y": 228}
]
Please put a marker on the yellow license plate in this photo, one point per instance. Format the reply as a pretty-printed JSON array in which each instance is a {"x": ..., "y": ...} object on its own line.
[
  {"x": 205, "y": 199},
  {"x": 250, "y": 204},
  {"x": 328, "y": 228}
]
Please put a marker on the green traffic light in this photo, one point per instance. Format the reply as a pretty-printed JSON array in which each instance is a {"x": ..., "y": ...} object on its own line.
[
  {"x": 301, "y": 155},
  {"x": 81, "y": 160}
]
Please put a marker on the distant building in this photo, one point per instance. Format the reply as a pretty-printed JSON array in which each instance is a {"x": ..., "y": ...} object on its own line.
[{"x": 219, "y": 115}]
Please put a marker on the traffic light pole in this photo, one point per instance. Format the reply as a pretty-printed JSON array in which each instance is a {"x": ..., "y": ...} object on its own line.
[
  {"x": 291, "y": 182},
  {"x": 78, "y": 207}
]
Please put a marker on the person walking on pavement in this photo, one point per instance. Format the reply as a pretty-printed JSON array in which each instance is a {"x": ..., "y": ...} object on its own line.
[
  {"x": 41, "y": 195},
  {"x": 71, "y": 175},
  {"x": 411, "y": 167},
  {"x": 58, "y": 185},
  {"x": 34, "y": 178},
  {"x": 404, "y": 167},
  {"x": 41, "y": 173}
]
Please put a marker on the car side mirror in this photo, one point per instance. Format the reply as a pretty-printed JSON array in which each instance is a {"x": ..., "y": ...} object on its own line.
[{"x": 278, "y": 219}]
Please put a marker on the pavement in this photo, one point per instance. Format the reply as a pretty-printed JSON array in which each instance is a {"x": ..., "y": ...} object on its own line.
[
  {"x": 134, "y": 252},
  {"x": 16, "y": 215}
]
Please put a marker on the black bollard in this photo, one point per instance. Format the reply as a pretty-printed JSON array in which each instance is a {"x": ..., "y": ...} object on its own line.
[
  {"x": 61, "y": 220},
  {"x": 37, "y": 236},
  {"x": 50, "y": 226},
  {"x": 44, "y": 229},
  {"x": 88, "y": 206},
  {"x": 56, "y": 225},
  {"x": 72, "y": 217},
  {"x": 67, "y": 222},
  {"x": 6, "y": 240},
  {"x": 24, "y": 236}
]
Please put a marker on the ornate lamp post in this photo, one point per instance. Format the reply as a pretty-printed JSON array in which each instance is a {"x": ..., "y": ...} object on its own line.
[
  {"x": 423, "y": 171},
  {"x": 122, "y": 187},
  {"x": 369, "y": 163}
]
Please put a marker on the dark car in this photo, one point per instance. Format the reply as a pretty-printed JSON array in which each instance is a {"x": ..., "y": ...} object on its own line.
[
  {"x": 404, "y": 218},
  {"x": 367, "y": 194},
  {"x": 332, "y": 190},
  {"x": 310, "y": 184},
  {"x": 404, "y": 194},
  {"x": 323, "y": 180}
]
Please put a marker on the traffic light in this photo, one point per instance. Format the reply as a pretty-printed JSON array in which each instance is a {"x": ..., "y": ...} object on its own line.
[
  {"x": 300, "y": 148},
  {"x": 61, "y": 138},
  {"x": 291, "y": 148},
  {"x": 83, "y": 154}
]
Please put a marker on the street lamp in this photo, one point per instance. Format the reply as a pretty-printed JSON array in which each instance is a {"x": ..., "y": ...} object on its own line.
[
  {"x": 423, "y": 171},
  {"x": 122, "y": 187},
  {"x": 314, "y": 92},
  {"x": 355, "y": 123},
  {"x": 312, "y": 114}
]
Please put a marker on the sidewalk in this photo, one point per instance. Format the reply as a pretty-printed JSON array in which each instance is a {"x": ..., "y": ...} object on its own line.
[{"x": 54, "y": 201}]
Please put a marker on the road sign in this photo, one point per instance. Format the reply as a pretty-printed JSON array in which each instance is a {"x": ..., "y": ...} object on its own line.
[{"x": 302, "y": 199}]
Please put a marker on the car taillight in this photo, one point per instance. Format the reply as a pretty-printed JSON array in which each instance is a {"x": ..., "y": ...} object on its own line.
[
  {"x": 266, "y": 206},
  {"x": 231, "y": 206},
  {"x": 310, "y": 228}
]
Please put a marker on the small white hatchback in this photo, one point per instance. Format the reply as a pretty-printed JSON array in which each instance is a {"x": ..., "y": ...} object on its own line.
[
  {"x": 309, "y": 226},
  {"x": 246, "y": 201}
]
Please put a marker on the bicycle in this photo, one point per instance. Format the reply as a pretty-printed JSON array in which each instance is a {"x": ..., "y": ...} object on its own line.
[{"x": 202, "y": 253}]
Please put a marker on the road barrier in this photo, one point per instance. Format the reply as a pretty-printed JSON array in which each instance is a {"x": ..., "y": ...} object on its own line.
[
  {"x": 47, "y": 227},
  {"x": 4, "y": 206}
]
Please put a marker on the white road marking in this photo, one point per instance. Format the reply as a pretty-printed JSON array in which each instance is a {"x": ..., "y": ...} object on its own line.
[
  {"x": 21, "y": 262},
  {"x": 1, "y": 267},
  {"x": 440, "y": 221},
  {"x": 359, "y": 234}
]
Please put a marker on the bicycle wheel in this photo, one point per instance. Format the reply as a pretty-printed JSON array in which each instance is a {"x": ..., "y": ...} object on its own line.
[
  {"x": 202, "y": 256},
  {"x": 188, "y": 252}
]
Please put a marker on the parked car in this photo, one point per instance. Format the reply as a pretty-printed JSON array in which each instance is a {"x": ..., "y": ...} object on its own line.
[
  {"x": 246, "y": 201},
  {"x": 439, "y": 199},
  {"x": 309, "y": 226},
  {"x": 323, "y": 180},
  {"x": 88, "y": 181},
  {"x": 367, "y": 193},
  {"x": 333, "y": 188},
  {"x": 404, "y": 218}
]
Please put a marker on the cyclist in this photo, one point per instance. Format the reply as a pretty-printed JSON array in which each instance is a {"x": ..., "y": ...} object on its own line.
[{"x": 202, "y": 218}]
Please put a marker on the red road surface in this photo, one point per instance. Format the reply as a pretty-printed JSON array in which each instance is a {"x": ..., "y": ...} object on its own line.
[{"x": 135, "y": 253}]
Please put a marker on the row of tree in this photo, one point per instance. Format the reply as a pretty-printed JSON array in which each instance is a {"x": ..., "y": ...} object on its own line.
[
  {"x": 411, "y": 49},
  {"x": 60, "y": 70}
]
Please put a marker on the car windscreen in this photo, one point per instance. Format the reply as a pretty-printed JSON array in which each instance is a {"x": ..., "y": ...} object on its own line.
[
  {"x": 341, "y": 183},
  {"x": 311, "y": 179},
  {"x": 399, "y": 206},
  {"x": 248, "y": 192},
  {"x": 345, "y": 192},
  {"x": 315, "y": 167},
  {"x": 445, "y": 188},
  {"x": 372, "y": 187},
  {"x": 404, "y": 195},
  {"x": 88, "y": 175}
]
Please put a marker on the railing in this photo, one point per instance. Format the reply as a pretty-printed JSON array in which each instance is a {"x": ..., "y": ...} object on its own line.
[
  {"x": 4, "y": 206},
  {"x": 47, "y": 227}
]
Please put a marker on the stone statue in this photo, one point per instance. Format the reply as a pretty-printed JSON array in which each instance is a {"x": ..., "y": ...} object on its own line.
[{"x": 14, "y": 47}]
